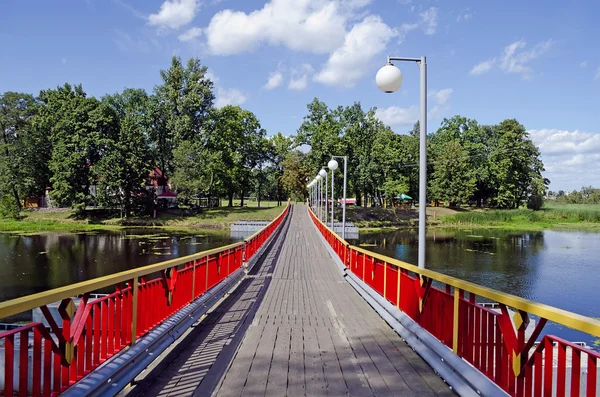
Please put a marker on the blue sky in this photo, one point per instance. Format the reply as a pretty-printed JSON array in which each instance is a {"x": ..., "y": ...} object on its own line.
[{"x": 535, "y": 61}]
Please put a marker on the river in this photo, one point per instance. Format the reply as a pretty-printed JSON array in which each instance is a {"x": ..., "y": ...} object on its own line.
[
  {"x": 561, "y": 269},
  {"x": 34, "y": 263}
]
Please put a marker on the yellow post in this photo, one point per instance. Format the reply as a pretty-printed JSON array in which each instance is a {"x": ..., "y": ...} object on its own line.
[
  {"x": 456, "y": 320},
  {"x": 134, "y": 307}
]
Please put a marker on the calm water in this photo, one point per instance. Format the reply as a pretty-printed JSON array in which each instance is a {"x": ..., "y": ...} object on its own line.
[
  {"x": 31, "y": 264},
  {"x": 561, "y": 269}
]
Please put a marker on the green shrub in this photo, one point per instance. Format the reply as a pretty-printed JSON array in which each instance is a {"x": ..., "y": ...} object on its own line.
[
  {"x": 535, "y": 202},
  {"x": 9, "y": 208}
]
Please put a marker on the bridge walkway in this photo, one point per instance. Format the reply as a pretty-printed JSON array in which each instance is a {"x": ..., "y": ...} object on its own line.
[{"x": 293, "y": 327}]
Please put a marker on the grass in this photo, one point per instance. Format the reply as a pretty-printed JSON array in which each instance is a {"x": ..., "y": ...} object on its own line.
[
  {"x": 552, "y": 216},
  {"x": 214, "y": 218}
]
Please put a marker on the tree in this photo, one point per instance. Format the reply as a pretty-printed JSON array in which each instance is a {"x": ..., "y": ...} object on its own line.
[
  {"x": 80, "y": 130},
  {"x": 296, "y": 175},
  {"x": 238, "y": 135},
  {"x": 123, "y": 169},
  {"x": 16, "y": 112},
  {"x": 515, "y": 165},
  {"x": 281, "y": 148},
  {"x": 452, "y": 178},
  {"x": 179, "y": 109}
]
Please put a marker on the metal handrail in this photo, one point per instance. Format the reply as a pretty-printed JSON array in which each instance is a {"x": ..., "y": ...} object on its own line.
[
  {"x": 572, "y": 320},
  {"x": 19, "y": 305}
]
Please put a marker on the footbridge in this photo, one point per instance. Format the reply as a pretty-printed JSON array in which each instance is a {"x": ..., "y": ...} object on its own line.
[{"x": 292, "y": 310}]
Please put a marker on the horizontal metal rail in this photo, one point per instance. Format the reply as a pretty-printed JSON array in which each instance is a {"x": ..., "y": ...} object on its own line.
[
  {"x": 44, "y": 362},
  {"x": 492, "y": 341}
]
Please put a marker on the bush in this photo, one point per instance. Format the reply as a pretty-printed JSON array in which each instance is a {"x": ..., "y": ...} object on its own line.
[
  {"x": 535, "y": 202},
  {"x": 9, "y": 208}
]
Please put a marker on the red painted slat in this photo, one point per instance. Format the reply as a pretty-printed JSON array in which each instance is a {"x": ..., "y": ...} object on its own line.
[
  {"x": 23, "y": 362},
  {"x": 9, "y": 352},
  {"x": 36, "y": 378}
]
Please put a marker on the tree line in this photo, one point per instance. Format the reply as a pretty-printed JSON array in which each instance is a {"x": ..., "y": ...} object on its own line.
[
  {"x": 587, "y": 195},
  {"x": 92, "y": 151},
  {"x": 100, "y": 151},
  {"x": 491, "y": 165}
]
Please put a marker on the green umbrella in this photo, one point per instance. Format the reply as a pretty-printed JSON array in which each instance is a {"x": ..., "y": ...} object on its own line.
[{"x": 405, "y": 197}]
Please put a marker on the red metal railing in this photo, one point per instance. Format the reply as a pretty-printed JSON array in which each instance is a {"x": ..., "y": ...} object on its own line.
[
  {"x": 42, "y": 361},
  {"x": 490, "y": 340}
]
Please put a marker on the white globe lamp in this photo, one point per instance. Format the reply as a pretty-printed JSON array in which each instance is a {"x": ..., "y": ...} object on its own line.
[
  {"x": 322, "y": 173},
  {"x": 389, "y": 78},
  {"x": 332, "y": 165}
]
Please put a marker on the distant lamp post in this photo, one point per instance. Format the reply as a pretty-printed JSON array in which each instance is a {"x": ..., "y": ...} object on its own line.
[
  {"x": 323, "y": 174},
  {"x": 333, "y": 165},
  {"x": 389, "y": 79},
  {"x": 319, "y": 195}
]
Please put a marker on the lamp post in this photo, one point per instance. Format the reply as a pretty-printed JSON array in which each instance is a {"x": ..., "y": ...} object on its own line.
[
  {"x": 323, "y": 174},
  {"x": 333, "y": 165},
  {"x": 319, "y": 194},
  {"x": 389, "y": 79}
]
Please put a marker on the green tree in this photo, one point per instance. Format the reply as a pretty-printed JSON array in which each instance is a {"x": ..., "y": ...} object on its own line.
[
  {"x": 123, "y": 169},
  {"x": 16, "y": 112},
  {"x": 238, "y": 135},
  {"x": 296, "y": 175},
  {"x": 179, "y": 109},
  {"x": 515, "y": 164},
  {"x": 452, "y": 178},
  {"x": 80, "y": 130},
  {"x": 282, "y": 146}
]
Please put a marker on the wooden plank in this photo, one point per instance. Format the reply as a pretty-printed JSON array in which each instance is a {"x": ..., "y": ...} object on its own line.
[{"x": 278, "y": 375}]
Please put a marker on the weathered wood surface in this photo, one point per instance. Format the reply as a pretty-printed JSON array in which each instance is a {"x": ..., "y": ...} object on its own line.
[{"x": 295, "y": 328}]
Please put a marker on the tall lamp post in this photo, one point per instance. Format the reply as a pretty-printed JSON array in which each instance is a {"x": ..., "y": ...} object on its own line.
[
  {"x": 333, "y": 165},
  {"x": 323, "y": 174},
  {"x": 389, "y": 79},
  {"x": 319, "y": 195}
]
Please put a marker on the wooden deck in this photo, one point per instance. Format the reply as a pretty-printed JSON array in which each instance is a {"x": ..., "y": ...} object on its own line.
[{"x": 295, "y": 328}]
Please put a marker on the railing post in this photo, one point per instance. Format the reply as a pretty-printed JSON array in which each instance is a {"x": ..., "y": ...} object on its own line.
[
  {"x": 134, "y": 308},
  {"x": 457, "y": 293}
]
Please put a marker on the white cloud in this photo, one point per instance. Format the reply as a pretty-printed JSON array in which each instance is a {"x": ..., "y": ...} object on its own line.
[
  {"x": 298, "y": 84},
  {"x": 515, "y": 58},
  {"x": 597, "y": 77},
  {"x": 441, "y": 97},
  {"x": 64, "y": 60},
  {"x": 134, "y": 11},
  {"x": 465, "y": 16},
  {"x": 190, "y": 34},
  {"x": 397, "y": 116},
  {"x": 316, "y": 26},
  {"x": 483, "y": 67},
  {"x": 174, "y": 14},
  {"x": 583, "y": 64},
  {"x": 299, "y": 79},
  {"x": 428, "y": 21},
  {"x": 274, "y": 81},
  {"x": 349, "y": 63},
  {"x": 229, "y": 96},
  {"x": 571, "y": 158},
  {"x": 225, "y": 96}
]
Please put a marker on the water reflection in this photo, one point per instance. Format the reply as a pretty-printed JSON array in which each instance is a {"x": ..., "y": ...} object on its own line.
[
  {"x": 561, "y": 269},
  {"x": 30, "y": 264}
]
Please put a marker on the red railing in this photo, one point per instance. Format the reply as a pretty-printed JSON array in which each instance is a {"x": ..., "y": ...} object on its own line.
[
  {"x": 42, "y": 361},
  {"x": 493, "y": 341}
]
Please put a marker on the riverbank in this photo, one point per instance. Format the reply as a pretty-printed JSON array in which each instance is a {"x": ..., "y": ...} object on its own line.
[
  {"x": 552, "y": 216},
  {"x": 66, "y": 220}
]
